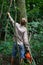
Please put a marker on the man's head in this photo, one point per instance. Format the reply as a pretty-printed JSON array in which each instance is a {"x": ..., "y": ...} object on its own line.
[{"x": 23, "y": 21}]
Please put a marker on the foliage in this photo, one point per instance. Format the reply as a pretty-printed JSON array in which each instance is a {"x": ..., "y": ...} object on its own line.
[
  {"x": 36, "y": 8},
  {"x": 35, "y": 26},
  {"x": 35, "y": 23}
]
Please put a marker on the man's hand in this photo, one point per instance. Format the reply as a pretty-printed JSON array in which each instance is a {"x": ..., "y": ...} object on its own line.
[
  {"x": 11, "y": 19},
  {"x": 8, "y": 13}
]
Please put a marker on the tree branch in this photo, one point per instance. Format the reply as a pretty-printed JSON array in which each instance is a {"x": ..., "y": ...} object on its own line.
[
  {"x": 30, "y": 36},
  {"x": 2, "y": 9}
]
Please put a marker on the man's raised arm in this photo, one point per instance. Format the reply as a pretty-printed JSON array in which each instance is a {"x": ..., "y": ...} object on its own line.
[{"x": 11, "y": 18}]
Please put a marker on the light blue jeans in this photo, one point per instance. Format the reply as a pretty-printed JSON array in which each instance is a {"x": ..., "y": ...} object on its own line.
[{"x": 21, "y": 50}]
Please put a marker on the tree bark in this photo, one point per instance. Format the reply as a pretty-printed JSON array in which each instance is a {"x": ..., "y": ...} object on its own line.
[{"x": 22, "y": 9}]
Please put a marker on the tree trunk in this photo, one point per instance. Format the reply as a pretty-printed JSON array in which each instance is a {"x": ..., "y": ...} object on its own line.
[
  {"x": 22, "y": 13},
  {"x": 21, "y": 8}
]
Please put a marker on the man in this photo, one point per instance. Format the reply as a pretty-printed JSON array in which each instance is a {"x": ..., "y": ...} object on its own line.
[{"x": 22, "y": 38}]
